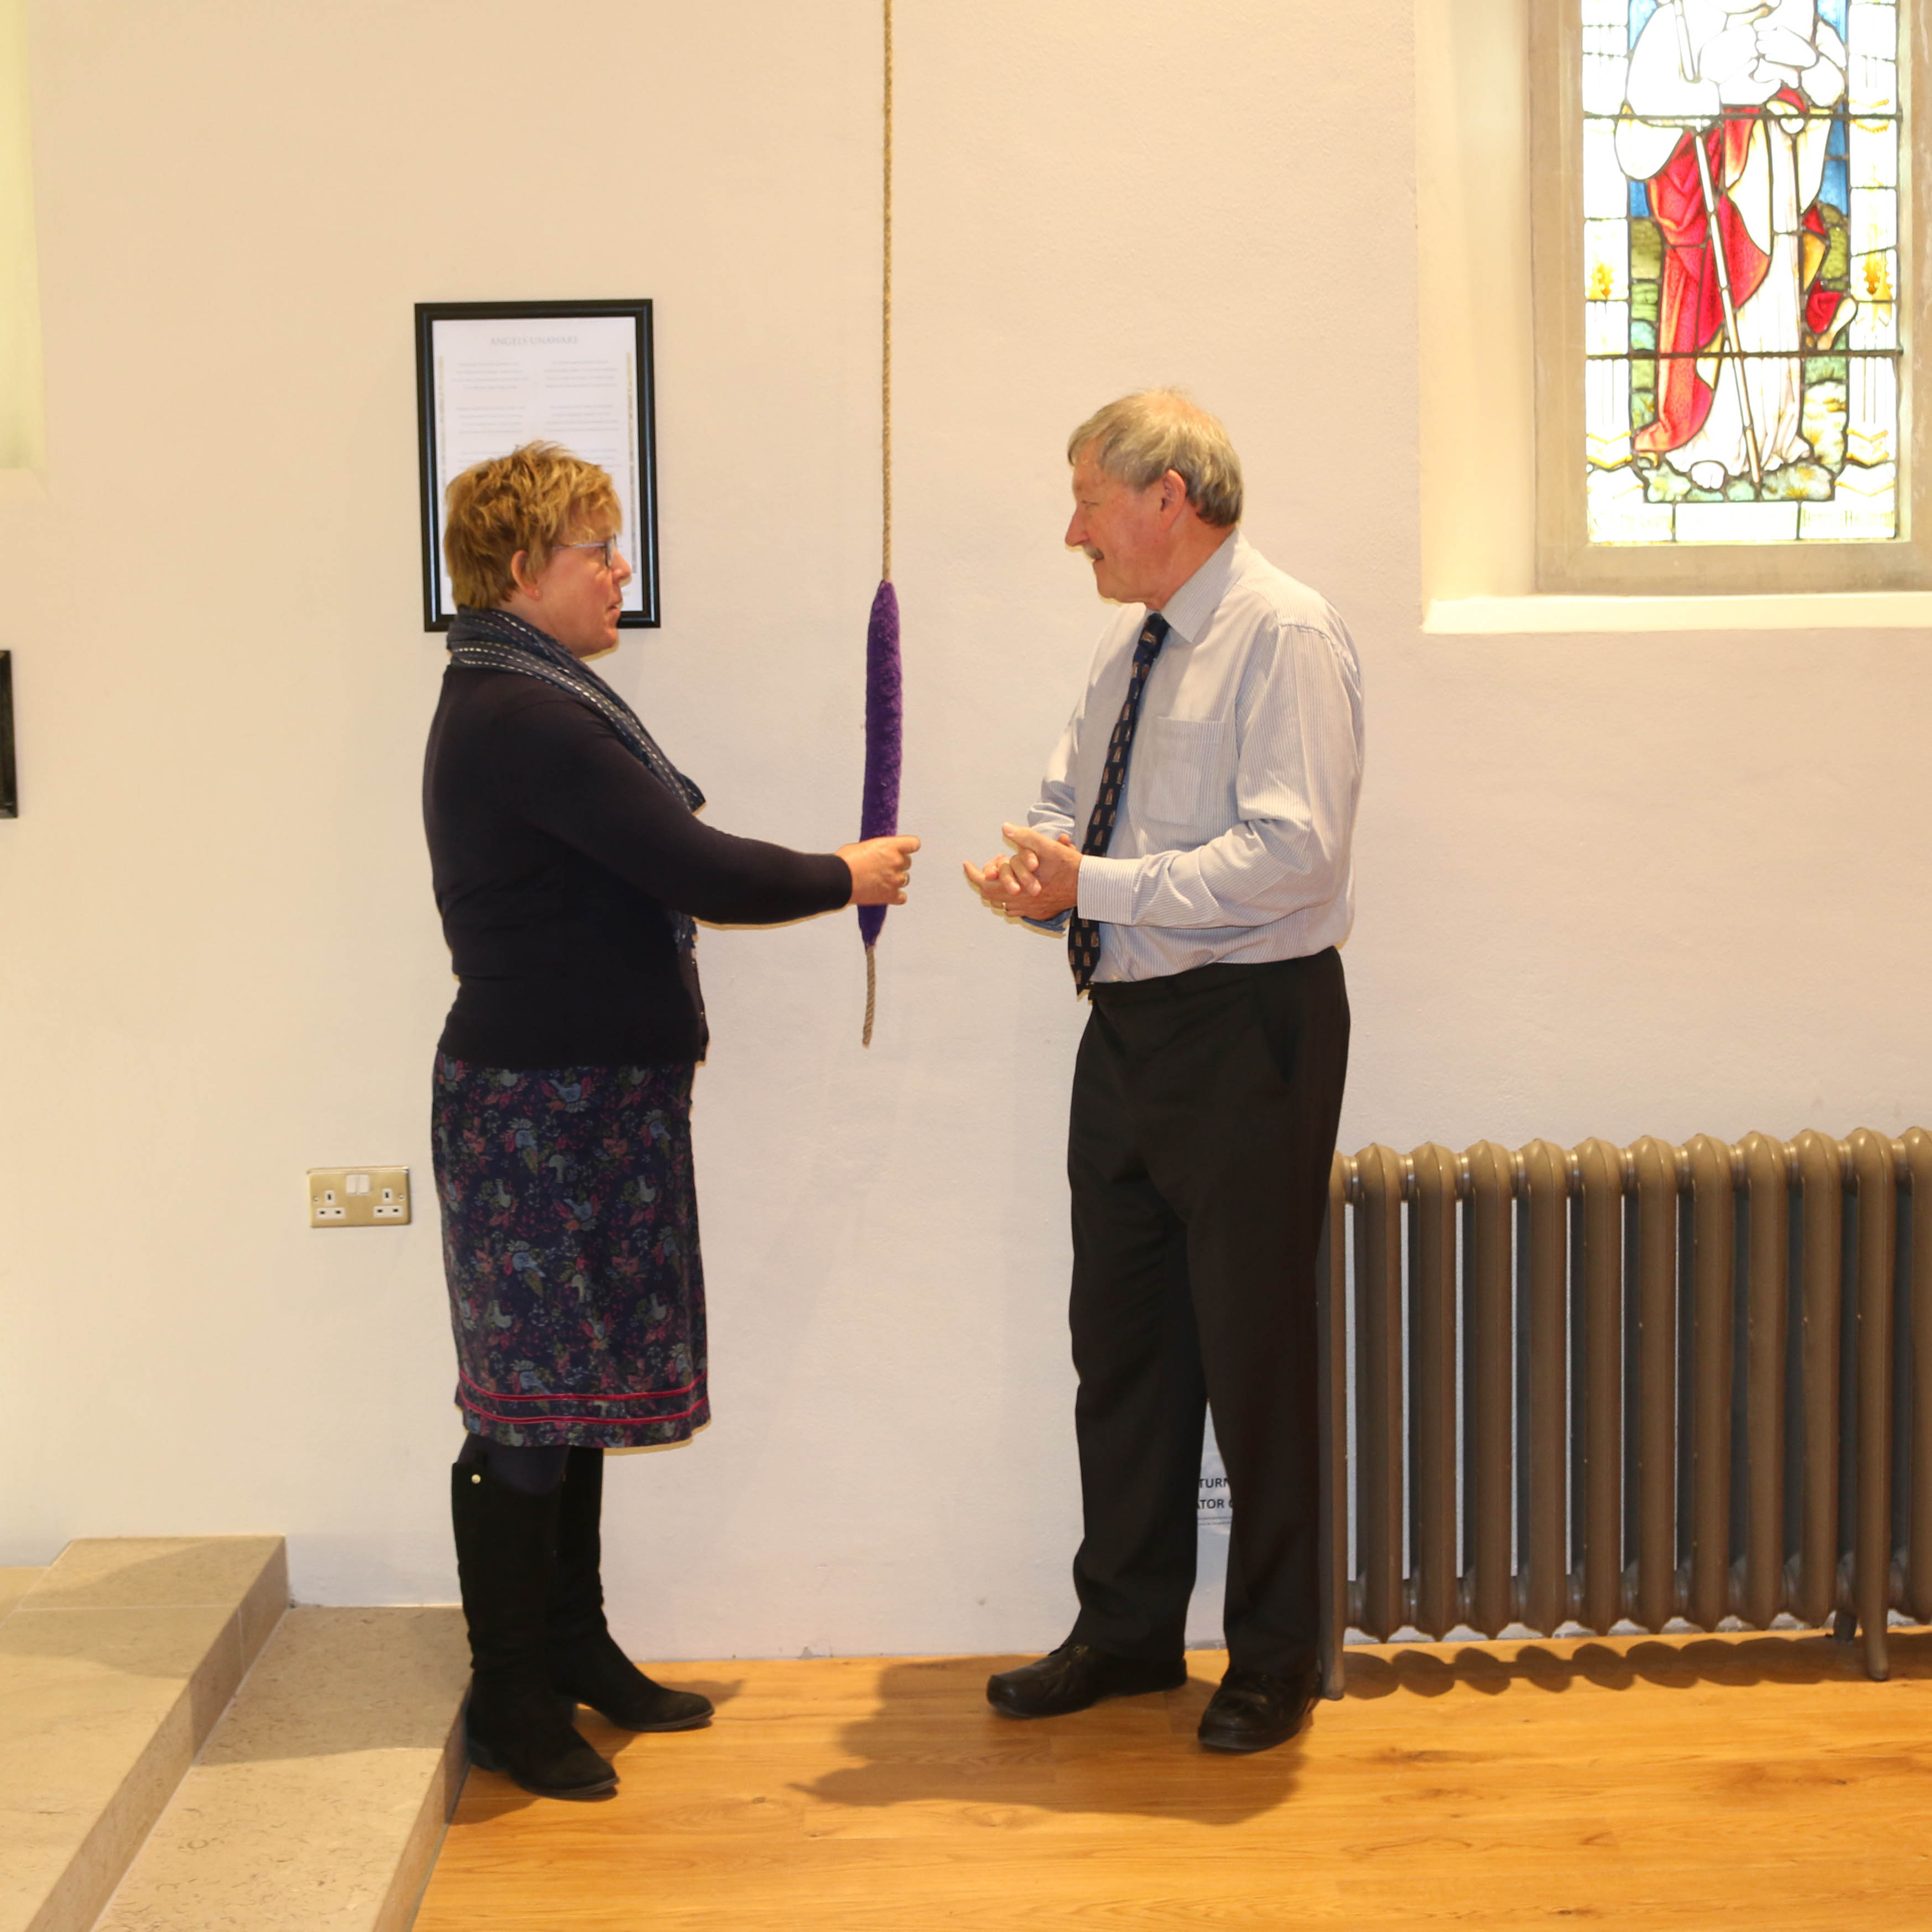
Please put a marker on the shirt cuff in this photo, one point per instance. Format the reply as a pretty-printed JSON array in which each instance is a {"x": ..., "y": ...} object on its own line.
[
  {"x": 1106, "y": 889},
  {"x": 1058, "y": 923}
]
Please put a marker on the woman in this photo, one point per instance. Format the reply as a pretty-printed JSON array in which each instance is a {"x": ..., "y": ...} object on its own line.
[{"x": 569, "y": 868}]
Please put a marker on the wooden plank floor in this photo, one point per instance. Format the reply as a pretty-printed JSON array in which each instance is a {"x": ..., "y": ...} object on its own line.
[{"x": 1648, "y": 1782}]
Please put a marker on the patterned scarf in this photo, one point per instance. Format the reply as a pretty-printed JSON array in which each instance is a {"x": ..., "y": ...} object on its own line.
[{"x": 495, "y": 640}]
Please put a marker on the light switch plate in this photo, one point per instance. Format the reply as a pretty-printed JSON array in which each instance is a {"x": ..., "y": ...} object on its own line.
[{"x": 359, "y": 1197}]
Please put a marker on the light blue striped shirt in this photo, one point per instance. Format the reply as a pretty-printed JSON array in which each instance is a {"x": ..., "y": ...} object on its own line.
[{"x": 1233, "y": 839}]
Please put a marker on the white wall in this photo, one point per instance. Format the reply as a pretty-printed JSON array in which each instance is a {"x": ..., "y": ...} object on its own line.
[
  {"x": 1608, "y": 884},
  {"x": 22, "y": 445}
]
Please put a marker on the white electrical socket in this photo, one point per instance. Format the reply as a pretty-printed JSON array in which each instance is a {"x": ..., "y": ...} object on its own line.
[{"x": 359, "y": 1197}]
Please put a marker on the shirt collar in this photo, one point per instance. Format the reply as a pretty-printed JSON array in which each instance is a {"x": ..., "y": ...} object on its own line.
[{"x": 1188, "y": 610}]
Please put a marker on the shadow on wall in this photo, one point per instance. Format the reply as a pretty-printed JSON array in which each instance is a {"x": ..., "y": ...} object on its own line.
[
  {"x": 151, "y": 1572},
  {"x": 192, "y": 1616}
]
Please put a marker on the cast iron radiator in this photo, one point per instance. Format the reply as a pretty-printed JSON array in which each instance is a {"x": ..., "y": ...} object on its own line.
[{"x": 1620, "y": 1385}]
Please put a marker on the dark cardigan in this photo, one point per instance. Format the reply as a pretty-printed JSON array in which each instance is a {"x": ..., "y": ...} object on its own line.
[{"x": 555, "y": 853}]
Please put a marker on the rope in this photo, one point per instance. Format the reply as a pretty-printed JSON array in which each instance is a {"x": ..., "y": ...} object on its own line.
[
  {"x": 885, "y": 418},
  {"x": 886, "y": 323}
]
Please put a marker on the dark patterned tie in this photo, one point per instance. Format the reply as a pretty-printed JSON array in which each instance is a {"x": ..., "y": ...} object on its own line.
[{"x": 1083, "y": 935}]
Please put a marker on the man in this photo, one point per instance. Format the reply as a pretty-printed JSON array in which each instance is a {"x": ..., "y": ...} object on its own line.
[{"x": 1210, "y": 774}]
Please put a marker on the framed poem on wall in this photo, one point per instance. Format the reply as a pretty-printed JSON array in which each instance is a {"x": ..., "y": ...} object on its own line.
[
  {"x": 10, "y": 784},
  {"x": 492, "y": 375}
]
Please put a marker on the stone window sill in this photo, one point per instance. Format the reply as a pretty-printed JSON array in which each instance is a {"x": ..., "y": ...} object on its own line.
[{"x": 1847, "y": 611}]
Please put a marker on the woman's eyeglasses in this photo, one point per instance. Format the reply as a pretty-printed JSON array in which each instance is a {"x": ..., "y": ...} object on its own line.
[{"x": 608, "y": 545}]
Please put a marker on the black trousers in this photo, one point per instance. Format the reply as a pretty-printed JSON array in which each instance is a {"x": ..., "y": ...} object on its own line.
[{"x": 1205, "y": 1107}]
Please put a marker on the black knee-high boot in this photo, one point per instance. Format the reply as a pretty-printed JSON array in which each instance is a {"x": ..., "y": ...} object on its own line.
[
  {"x": 586, "y": 1665},
  {"x": 504, "y": 1541}
]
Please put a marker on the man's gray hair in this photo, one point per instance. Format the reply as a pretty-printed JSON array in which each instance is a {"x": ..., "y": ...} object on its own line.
[{"x": 1139, "y": 439}]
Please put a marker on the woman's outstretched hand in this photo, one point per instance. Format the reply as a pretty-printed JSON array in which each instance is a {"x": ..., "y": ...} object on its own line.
[{"x": 881, "y": 869}]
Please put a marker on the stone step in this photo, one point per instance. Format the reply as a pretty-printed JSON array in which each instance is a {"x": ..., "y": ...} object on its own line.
[
  {"x": 116, "y": 1661},
  {"x": 14, "y": 1584},
  {"x": 321, "y": 1799}
]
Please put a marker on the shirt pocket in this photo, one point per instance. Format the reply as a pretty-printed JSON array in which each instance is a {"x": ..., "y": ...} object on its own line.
[{"x": 1182, "y": 775}]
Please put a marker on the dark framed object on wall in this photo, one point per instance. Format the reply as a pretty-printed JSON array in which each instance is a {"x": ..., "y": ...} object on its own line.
[
  {"x": 492, "y": 375},
  {"x": 10, "y": 784}
]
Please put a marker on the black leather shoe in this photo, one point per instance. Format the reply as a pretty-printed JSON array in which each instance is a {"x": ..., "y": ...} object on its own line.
[
  {"x": 1254, "y": 1711},
  {"x": 1075, "y": 1676}
]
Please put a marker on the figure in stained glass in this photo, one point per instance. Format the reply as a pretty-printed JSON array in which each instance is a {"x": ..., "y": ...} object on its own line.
[
  {"x": 1741, "y": 185},
  {"x": 1730, "y": 119}
]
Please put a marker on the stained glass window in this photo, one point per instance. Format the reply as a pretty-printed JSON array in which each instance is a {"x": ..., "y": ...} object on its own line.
[{"x": 1741, "y": 262}]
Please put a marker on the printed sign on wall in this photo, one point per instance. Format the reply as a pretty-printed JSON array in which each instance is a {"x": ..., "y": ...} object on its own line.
[{"x": 1210, "y": 1564}]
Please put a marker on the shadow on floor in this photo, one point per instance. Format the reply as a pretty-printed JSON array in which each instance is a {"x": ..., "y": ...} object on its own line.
[
  {"x": 932, "y": 1737},
  {"x": 1796, "y": 1658}
]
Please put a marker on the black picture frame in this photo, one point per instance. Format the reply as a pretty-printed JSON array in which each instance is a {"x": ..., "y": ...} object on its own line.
[
  {"x": 10, "y": 778},
  {"x": 645, "y": 565}
]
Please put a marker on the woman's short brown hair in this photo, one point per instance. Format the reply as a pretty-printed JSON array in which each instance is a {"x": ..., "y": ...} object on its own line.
[{"x": 525, "y": 501}]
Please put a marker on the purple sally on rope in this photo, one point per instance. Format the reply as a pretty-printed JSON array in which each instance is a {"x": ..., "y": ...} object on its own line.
[{"x": 879, "y": 809}]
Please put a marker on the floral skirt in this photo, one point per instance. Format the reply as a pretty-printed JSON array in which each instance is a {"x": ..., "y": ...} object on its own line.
[{"x": 570, "y": 1242}]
